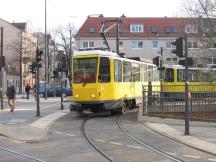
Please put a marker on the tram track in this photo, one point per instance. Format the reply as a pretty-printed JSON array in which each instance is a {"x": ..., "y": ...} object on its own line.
[
  {"x": 20, "y": 154},
  {"x": 145, "y": 144},
  {"x": 88, "y": 139},
  {"x": 91, "y": 143}
]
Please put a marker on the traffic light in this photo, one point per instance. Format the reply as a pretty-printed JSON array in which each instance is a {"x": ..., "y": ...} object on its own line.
[
  {"x": 38, "y": 55},
  {"x": 156, "y": 60},
  {"x": 55, "y": 74},
  {"x": 189, "y": 61},
  {"x": 179, "y": 47},
  {"x": 2, "y": 61},
  {"x": 32, "y": 68}
]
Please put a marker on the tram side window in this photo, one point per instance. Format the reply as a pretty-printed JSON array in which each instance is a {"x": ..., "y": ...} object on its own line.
[
  {"x": 118, "y": 70},
  {"x": 180, "y": 75},
  {"x": 136, "y": 72},
  {"x": 142, "y": 73},
  {"x": 145, "y": 73},
  {"x": 150, "y": 73},
  {"x": 169, "y": 75},
  {"x": 104, "y": 70},
  {"x": 127, "y": 72}
]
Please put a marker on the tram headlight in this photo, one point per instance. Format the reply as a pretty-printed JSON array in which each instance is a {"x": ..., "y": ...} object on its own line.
[
  {"x": 93, "y": 95},
  {"x": 76, "y": 96}
]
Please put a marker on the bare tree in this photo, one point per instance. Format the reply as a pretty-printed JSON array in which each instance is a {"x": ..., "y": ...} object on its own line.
[
  {"x": 65, "y": 38},
  {"x": 205, "y": 13}
]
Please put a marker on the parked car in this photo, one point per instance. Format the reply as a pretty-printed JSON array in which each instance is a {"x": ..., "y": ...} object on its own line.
[
  {"x": 67, "y": 92},
  {"x": 54, "y": 91}
]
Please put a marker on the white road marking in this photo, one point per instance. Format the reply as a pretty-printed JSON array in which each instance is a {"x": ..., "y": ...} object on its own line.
[
  {"x": 191, "y": 156},
  {"x": 99, "y": 140},
  {"x": 66, "y": 134},
  {"x": 46, "y": 121},
  {"x": 171, "y": 153},
  {"x": 212, "y": 159},
  {"x": 116, "y": 143},
  {"x": 137, "y": 147}
]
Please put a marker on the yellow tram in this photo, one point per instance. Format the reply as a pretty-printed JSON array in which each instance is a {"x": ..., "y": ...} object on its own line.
[
  {"x": 200, "y": 79},
  {"x": 104, "y": 81}
]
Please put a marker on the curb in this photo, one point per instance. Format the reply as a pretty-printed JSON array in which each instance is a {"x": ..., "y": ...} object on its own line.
[{"x": 179, "y": 140}]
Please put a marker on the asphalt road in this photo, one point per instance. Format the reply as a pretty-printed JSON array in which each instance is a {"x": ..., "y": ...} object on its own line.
[{"x": 65, "y": 142}]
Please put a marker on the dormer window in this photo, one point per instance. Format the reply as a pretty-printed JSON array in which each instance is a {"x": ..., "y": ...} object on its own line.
[
  {"x": 170, "y": 29},
  {"x": 191, "y": 29},
  {"x": 91, "y": 29},
  {"x": 154, "y": 29},
  {"x": 136, "y": 28}
]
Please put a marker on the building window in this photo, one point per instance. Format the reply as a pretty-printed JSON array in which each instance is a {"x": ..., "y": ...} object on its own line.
[
  {"x": 137, "y": 44},
  {"x": 211, "y": 44},
  {"x": 136, "y": 28},
  {"x": 88, "y": 44},
  {"x": 169, "y": 45},
  {"x": 154, "y": 29},
  {"x": 170, "y": 29},
  {"x": 154, "y": 44},
  {"x": 121, "y": 45},
  {"x": 167, "y": 30},
  {"x": 91, "y": 29},
  {"x": 190, "y": 29},
  {"x": 192, "y": 44}
]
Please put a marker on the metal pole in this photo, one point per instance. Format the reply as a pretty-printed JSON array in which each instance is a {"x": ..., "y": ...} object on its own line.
[
  {"x": 45, "y": 49},
  {"x": 161, "y": 87},
  {"x": 62, "y": 107},
  {"x": 21, "y": 73},
  {"x": 1, "y": 72},
  {"x": 37, "y": 92},
  {"x": 117, "y": 35},
  {"x": 187, "y": 118},
  {"x": 69, "y": 66}
]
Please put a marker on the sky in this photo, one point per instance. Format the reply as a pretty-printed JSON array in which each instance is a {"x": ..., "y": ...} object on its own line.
[{"x": 76, "y": 11}]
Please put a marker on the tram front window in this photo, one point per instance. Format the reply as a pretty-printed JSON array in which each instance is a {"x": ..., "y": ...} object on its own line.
[{"x": 85, "y": 70}]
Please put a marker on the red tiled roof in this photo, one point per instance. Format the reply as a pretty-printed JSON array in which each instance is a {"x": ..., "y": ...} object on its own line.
[{"x": 160, "y": 22}]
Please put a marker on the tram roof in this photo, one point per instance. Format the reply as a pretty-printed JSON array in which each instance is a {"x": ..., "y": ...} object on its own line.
[{"x": 96, "y": 52}]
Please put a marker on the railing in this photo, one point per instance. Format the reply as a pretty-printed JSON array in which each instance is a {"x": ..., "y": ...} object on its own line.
[{"x": 171, "y": 104}]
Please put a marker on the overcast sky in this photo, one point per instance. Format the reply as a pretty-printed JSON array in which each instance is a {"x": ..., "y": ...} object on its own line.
[{"x": 76, "y": 11}]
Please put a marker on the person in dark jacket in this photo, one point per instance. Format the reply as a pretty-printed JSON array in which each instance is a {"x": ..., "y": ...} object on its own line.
[
  {"x": 27, "y": 89},
  {"x": 11, "y": 95}
]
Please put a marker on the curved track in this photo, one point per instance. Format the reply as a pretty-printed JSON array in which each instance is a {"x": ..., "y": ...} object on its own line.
[
  {"x": 89, "y": 141},
  {"x": 146, "y": 145},
  {"x": 20, "y": 154},
  {"x": 128, "y": 135}
]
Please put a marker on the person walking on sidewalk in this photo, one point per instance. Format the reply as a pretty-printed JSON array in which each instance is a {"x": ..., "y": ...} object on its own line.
[
  {"x": 11, "y": 94},
  {"x": 27, "y": 89}
]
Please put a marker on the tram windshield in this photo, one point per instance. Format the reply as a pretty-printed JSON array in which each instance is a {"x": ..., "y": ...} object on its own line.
[{"x": 85, "y": 70}]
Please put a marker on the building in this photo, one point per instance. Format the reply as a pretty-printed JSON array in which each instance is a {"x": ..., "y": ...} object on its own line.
[
  {"x": 145, "y": 36},
  {"x": 18, "y": 49},
  {"x": 27, "y": 52}
]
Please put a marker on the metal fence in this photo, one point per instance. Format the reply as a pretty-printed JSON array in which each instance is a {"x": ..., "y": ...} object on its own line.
[{"x": 171, "y": 104}]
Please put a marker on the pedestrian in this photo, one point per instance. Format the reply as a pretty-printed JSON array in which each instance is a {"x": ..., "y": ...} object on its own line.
[
  {"x": 27, "y": 89},
  {"x": 11, "y": 95}
]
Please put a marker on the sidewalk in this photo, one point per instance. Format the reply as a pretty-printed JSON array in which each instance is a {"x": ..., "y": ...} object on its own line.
[
  {"x": 202, "y": 134},
  {"x": 24, "y": 125}
]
